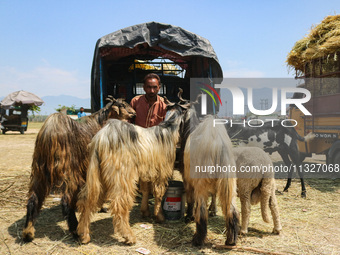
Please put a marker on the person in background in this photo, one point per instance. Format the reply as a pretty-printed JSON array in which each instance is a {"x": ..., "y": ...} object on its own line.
[
  {"x": 81, "y": 113},
  {"x": 150, "y": 108}
]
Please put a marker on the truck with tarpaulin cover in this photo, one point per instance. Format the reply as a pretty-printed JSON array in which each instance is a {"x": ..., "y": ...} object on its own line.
[{"x": 123, "y": 58}]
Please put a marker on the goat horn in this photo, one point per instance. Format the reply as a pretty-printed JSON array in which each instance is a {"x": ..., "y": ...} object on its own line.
[
  {"x": 180, "y": 95},
  {"x": 167, "y": 102},
  {"x": 111, "y": 98},
  {"x": 196, "y": 101}
]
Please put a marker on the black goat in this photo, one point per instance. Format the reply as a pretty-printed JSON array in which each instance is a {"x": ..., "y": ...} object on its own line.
[{"x": 271, "y": 137}]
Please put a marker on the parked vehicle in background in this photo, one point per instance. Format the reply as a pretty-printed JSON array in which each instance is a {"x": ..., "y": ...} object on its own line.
[
  {"x": 13, "y": 110},
  {"x": 316, "y": 59},
  {"x": 14, "y": 119}
]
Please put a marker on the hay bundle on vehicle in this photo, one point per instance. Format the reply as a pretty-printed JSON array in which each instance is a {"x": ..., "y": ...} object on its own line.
[{"x": 317, "y": 54}]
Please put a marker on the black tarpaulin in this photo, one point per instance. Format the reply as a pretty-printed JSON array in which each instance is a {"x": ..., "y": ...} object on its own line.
[{"x": 153, "y": 40}]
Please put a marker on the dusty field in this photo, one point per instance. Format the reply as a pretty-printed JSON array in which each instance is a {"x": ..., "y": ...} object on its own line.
[{"x": 310, "y": 226}]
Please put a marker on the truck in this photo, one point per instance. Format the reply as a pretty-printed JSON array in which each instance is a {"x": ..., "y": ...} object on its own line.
[
  {"x": 123, "y": 58},
  {"x": 316, "y": 60}
]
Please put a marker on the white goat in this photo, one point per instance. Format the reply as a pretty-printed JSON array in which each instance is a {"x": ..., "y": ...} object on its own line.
[{"x": 254, "y": 186}]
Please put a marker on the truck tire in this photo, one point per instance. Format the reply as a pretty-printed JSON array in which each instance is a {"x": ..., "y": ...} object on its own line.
[
  {"x": 22, "y": 131},
  {"x": 336, "y": 158}
]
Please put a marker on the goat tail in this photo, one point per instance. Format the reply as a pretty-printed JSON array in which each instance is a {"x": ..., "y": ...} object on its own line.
[
  {"x": 89, "y": 195},
  {"x": 226, "y": 192},
  {"x": 51, "y": 153}
]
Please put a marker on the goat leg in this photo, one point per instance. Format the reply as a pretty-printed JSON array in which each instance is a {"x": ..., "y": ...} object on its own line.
[
  {"x": 245, "y": 212},
  {"x": 190, "y": 203},
  {"x": 212, "y": 207},
  {"x": 232, "y": 226},
  {"x": 201, "y": 218},
  {"x": 69, "y": 214},
  {"x": 159, "y": 191},
  {"x": 290, "y": 173},
  {"x": 275, "y": 214},
  {"x": 37, "y": 195},
  {"x": 303, "y": 187},
  {"x": 32, "y": 213},
  {"x": 145, "y": 189}
]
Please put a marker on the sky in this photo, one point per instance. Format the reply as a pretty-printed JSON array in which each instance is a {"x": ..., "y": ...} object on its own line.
[{"x": 47, "y": 47}]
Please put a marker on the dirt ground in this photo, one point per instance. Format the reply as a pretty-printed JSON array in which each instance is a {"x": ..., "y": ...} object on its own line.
[{"x": 310, "y": 226}]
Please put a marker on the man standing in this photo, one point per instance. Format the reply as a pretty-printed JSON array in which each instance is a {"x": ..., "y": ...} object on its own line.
[
  {"x": 150, "y": 111},
  {"x": 150, "y": 108},
  {"x": 81, "y": 113}
]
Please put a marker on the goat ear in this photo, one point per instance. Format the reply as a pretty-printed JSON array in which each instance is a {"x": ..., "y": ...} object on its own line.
[
  {"x": 115, "y": 109},
  {"x": 167, "y": 102}
]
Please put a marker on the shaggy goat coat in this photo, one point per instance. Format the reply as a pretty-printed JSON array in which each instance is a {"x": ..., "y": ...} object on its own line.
[
  {"x": 60, "y": 161},
  {"x": 273, "y": 138},
  {"x": 210, "y": 146},
  {"x": 120, "y": 155},
  {"x": 254, "y": 187}
]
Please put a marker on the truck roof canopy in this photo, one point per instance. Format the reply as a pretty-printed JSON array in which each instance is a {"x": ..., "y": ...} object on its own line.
[{"x": 149, "y": 41}]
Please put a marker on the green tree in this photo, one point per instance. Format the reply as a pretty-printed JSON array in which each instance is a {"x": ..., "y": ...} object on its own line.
[
  {"x": 34, "y": 109},
  {"x": 70, "y": 110}
]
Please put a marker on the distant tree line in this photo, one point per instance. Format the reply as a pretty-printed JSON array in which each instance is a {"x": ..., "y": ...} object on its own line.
[{"x": 37, "y": 118}]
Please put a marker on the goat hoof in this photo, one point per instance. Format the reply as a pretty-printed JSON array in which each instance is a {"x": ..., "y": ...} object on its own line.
[
  {"x": 197, "y": 240},
  {"x": 276, "y": 231},
  {"x": 130, "y": 240},
  {"x": 146, "y": 214},
  {"x": 160, "y": 218},
  {"x": 230, "y": 243},
  {"x": 28, "y": 237},
  {"x": 75, "y": 235},
  {"x": 277, "y": 192},
  {"x": 188, "y": 219},
  {"x": 28, "y": 233},
  {"x": 303, "y": 194},
  {"x": 244, "y": 232},
  {"x": 84, "y": 239},
  {"x": 103, "y": 210}
]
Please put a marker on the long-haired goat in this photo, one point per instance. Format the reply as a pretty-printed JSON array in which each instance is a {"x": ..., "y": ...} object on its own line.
[
  {"x": 203, "y": 146},
  {"x": 255, "y": 183},
  {"x": 273, "y": 138},
  {"x": 120, "y": 155},
  {"x": 60, "y": 160}
]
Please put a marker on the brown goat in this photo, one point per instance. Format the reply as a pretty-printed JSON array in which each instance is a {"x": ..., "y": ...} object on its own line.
[{"x": 60, "y": 160}]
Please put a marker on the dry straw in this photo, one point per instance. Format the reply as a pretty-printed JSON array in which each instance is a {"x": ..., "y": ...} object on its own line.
[{"x": 323, "y": 40}]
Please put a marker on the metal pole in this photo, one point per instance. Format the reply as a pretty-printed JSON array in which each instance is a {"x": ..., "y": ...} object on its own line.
[{"x": 101, "y": 83}]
